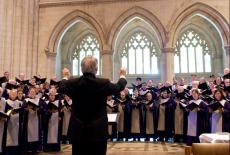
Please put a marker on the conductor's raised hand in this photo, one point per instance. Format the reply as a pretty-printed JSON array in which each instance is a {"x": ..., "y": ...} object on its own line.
[{"x": 123, "y": 72}]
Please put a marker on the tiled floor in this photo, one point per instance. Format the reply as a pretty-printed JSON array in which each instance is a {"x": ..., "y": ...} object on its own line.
[{"x": 134, "y": 148}]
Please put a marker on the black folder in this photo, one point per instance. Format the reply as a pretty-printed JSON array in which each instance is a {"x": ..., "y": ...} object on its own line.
[
  {"x": 216, "y": 105},
  {"x": 52, "y": 106},
  {"x": 33, "y": 105},
  {"x": 190, "y": 106},
  {"x": 4, "y": 115}
]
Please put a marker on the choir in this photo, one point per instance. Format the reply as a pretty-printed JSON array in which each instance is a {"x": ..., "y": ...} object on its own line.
[
  {"x": 35, "y": 116},
  {"x": 173, "y": 112}
]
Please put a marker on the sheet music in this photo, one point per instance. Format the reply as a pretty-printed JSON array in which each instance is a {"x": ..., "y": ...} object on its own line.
[{"x": 112, "y": 117}]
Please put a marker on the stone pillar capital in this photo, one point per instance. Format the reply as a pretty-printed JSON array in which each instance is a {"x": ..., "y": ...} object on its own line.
[
  {"x": 167, "y": 50},
  {"x": 106, "y": 52},
  {"x": 50, "y": 53}
]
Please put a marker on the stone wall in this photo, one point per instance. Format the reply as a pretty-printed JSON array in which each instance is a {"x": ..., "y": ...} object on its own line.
[
  {"x": 30, "y": 30},
  {"x": 19, "y": 36}
]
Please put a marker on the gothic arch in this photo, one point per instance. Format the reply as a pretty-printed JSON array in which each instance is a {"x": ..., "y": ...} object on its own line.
[
  {"x": 205, "y": 12},
  {"x": 130, "y": 14},
  {"x": 66, "y": 22}
]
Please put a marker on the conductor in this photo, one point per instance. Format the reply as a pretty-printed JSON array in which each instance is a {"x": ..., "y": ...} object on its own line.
[{"x": 89, "y": 122}]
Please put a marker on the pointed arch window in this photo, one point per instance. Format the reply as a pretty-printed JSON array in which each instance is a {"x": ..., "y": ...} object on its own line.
[
  {"x": 139, "y": 55},
  {"x": 192, "y": 54},
  {"x": 88, "y": 45}
]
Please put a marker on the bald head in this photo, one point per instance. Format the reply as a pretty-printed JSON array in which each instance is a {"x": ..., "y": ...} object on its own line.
[{"x": 89, "y": 64}]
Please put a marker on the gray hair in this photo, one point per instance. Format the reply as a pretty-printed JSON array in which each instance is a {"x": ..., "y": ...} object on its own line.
[{"x": 89, "y": 64}]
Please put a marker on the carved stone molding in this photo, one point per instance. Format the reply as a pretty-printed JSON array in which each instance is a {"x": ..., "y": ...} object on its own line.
[
  {"x": 48, "y": 3},
  {"x": 227, "y": 49},
  {"x": 50, "y": 53}
]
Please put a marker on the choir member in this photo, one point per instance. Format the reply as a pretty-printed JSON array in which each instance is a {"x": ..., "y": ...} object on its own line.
[
  {"x": 123, "y": 124},
  {"x": 212, "y": 85},
  {"x": 38, "y": 89},
  {"x": 128, "y": 93},
  {"x": 150, "y": 108},
  {"x": 204, "y": 88},
  {"x": 179, "y": 115},
  {"x": 23, "y": 83},
  {"x": 150, "y": 84},
  {"x": 4, "y": 79},
  {"x": 220, "y": 110},
  {"x": 13, "y": 125},
  {"x": 32, "y": 82},
  {"x": 212, "y": 78},
  {"x": 181, "y": 82},
  {"x": 138, "y": 83},
  {"x": 226, "y": 73},
  {"x": 52, "y": 128},
  {"x": 66, "y": 108},
  {"x": 219, "y": 83},
  {"x": 197, "y": 110},
  {"x": 193, "y": 78},
  {"x": 168, "y": 86},
  {"x": 3, "y": 119},
  {"x": 227, "y": 88},
  {"x": 152, "y": 89},
  {"x": 32, "y": 122},
  {"x": 165, "y": 115},
  {"x": 143, "y": 90},
  {"x": 159, "y": 87},
  {"x": 46, "y": 87},
  {"x": 136, "y": 116},
  {"x": 195, "y": 85},
  {"x": 20, "y": 95},
  {"x": 11, "y": 84},
  {"x": 111, "y": 105}
]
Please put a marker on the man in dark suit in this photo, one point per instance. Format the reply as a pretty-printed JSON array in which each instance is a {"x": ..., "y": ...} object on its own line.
[{"x": 89, "y": 123}]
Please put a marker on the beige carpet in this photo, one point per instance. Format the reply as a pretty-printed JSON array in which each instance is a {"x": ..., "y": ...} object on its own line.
[{"x": 134, "y": 148}]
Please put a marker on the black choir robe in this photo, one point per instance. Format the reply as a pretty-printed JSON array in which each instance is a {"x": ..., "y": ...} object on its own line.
[
  {"x": 220, "y": 121},
  {"x": 137, "y": 126},
  {"x": 66, "y": 109},
  {"x": 124, "y": 120},
  {"x": 2, "y": 126},
  {"x": 52, "y": 128},
  {"x": 180, "y": 121},
  {"x": 197, "y": 122},
  {"x": 165, "y": 117},
  {"x": 150, "y": 117},
  {"x": 32, "y": 126},
  {"x": 13, "y": 130}
]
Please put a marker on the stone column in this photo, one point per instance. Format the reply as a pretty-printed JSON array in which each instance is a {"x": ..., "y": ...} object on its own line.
[
  {"x": 106, "y": 64},
  {"x": 18, "y": 36},
  {"x": 51, "y": 59},
  {"x": 227, "y": 60},
  {"x": 167, "y": 64}
]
